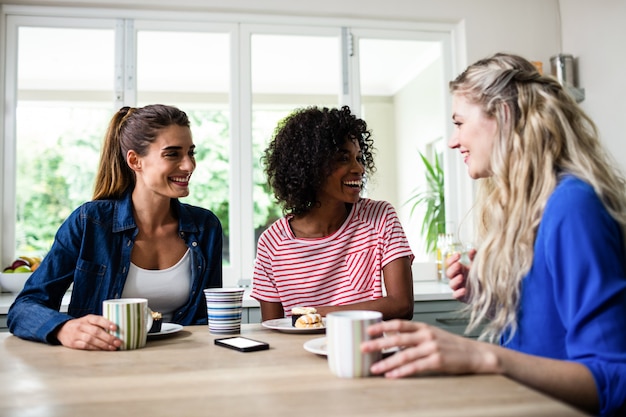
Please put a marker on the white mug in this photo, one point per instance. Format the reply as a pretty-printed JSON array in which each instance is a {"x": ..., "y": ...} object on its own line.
[
  {"x": 345, "y": 331},
  {"x": 133, "y": 319}
]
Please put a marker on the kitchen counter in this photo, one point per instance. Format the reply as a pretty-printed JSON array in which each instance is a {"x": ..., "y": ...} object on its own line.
[{"x": 423, "y": 291}]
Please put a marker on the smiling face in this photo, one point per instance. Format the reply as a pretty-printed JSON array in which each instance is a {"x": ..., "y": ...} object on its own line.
[
  {"x": 167, "y": 167},
  {"x": 346, "y": 180},
  {"x": 474, "y": 136}
]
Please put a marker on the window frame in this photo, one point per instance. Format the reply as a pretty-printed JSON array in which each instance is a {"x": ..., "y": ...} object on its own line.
[{"x": 241, "y": 27}]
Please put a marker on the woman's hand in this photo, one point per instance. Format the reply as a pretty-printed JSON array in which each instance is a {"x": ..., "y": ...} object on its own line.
[
  {"x": 426, "y": 349},
  {"x": 457, "y": 273},
  {"x": 88, "y": 333}
]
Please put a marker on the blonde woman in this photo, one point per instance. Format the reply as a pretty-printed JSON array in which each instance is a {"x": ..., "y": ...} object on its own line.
[{"x": 548, "y": 278}]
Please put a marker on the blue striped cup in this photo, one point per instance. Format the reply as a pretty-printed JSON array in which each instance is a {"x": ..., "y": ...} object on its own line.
[
  {"x": 133, "y": 319},
  {"x": 345, "y": 331},
  {"x": 224, "y": 307}
]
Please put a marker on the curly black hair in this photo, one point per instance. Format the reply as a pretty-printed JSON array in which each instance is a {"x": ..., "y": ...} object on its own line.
[{"x": 300, "y": 157}]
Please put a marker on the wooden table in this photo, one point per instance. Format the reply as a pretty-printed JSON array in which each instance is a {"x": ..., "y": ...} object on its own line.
[{"x": 185, "y": 374}]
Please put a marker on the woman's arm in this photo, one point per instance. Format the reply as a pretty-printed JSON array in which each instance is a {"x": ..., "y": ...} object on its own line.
[
  {"x": 398, "y": 303},
  {"x": 271, "y": 311},
  {"x": 427, "y": 349},
  {"x": 35, "y": 313}
]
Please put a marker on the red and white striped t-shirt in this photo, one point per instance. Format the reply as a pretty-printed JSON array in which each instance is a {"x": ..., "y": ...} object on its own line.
[{"x": 343, "y": 268}]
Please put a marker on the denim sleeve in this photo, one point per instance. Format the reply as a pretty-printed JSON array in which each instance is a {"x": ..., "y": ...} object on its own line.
[{"x": 35, "y": 314}]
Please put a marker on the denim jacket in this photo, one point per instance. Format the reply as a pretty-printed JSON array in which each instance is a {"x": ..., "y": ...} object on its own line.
[{"x": 92, "y": 250}]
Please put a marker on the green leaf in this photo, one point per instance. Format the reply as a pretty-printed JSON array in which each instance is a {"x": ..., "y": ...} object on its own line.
[{"x": 433, "y": 200}]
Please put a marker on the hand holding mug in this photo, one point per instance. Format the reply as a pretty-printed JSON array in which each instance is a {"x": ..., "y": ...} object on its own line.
[
  {"x": 132, "y": 318},
  {"x": 89, "y": 332},
  {"x": 457, "y": 271},
  {"x": 427, "y": 350},
  {"x": 345, "y": 331}
]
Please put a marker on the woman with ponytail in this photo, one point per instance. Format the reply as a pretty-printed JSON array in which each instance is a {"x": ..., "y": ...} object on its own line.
[
  {"x": 135, "y": 239},
  {"x": 548, "y": 279}
]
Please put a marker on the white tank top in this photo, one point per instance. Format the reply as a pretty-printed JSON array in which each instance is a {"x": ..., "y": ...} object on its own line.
[{"x": 166, "y": 289}]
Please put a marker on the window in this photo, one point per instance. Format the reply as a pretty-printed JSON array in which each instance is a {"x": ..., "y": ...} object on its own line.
[
  {"x": 288, "y": 72},
  {"x": 235, "y": 78},
  {"x": 64, "y": 90},
  {"x": 404, "y": 98},
  {"x": 191, "y": 69}
]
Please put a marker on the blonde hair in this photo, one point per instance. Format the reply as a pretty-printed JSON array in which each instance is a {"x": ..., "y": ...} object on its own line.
[{"x": 543, "y": 135}]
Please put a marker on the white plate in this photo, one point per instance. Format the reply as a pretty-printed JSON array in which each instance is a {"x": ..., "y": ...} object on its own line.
[
  {"x": 284, "y": 325},
  {"x": 318, "y": 346},
  {"x": 167, "y": 328}
]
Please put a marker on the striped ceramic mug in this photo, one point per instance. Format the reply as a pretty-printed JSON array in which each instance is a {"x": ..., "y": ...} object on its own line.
[
  {"x": 345, "y": 330},
  {"x": 224, "y": 308},
  {"x": 133, "y": 319}
]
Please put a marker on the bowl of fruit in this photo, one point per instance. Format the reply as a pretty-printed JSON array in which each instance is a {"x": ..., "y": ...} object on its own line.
[{"x": 14, "y": 276}]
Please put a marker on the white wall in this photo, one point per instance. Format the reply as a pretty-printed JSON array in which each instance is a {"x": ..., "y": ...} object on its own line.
[
  {"x": 378, "y": 112},
  {"x": 595, "y": 32},
  {"x": 420, "y": 124}
]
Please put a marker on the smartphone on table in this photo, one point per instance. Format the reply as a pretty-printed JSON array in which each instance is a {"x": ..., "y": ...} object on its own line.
[{"x": 242, "y": 344}]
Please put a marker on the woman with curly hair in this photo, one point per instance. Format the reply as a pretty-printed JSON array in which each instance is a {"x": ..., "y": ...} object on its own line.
[
  {"x": 549, "y": 277},
  {"x": 333, "y": 247}
]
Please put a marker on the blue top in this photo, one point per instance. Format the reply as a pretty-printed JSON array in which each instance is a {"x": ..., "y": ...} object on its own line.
[
  {"x": 92, "y": 250},
  {"x": 573, "y": 300}
]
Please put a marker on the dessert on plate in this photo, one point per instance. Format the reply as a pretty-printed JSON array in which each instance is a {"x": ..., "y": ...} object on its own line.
[
  {"x": 297, "y": 312},
  {"x": 157, "y": 321},
  {"x": 309, "y": 321}
]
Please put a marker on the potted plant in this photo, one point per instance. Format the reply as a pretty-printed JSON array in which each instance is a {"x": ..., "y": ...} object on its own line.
[{"x": 433, "y": 201}]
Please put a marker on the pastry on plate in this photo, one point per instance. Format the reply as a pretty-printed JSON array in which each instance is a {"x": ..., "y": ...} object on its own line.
[
  {"x": 297, "y": 312},
  {"x": 157, "y": 320},
  {"x": 309, "y": 321}
]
